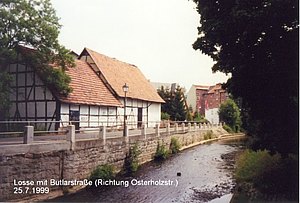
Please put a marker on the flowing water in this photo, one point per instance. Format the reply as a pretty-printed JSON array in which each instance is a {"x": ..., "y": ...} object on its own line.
[{"x": 199, "y": 174}]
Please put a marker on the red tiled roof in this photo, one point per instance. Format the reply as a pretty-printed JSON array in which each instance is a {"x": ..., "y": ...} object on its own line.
[
  {"x": 88, "y": 88},
  {"x": 118, "y": 73}
]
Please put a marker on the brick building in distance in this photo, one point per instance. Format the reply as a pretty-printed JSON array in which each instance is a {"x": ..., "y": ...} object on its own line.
[{"x": 206, "y": 100}]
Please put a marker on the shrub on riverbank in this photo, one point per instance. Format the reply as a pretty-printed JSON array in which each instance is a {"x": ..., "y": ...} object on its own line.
[
  {"x": 105, "y": 172},
  {"x": 161, "y": 153},
  {"x": 131, "y": 161},
  {"x": 208, "y": 135},
  {"x": 228, "y": 128},
  {"x": 261, "y": 174},
  {"x": 174, "y": 145}
]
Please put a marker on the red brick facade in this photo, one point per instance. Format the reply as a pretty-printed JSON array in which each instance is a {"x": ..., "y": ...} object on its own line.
[
  {"x": 200, "y": 99},
  {"x": 209, "y": 97}
]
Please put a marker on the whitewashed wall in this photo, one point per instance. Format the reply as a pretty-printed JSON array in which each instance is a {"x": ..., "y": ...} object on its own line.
[
  {"x": 191, "y": 97},
  {"x": 90, "y": 116},
  {"x": 154, "y": 114},
  {"x": 212, "y": 115},
  {"x": 150, "y": 112}
]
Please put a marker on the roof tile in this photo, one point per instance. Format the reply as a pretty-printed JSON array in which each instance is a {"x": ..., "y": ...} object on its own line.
[
  {"x": 88, "y": 88},
  {"x": 118, "y": 73}
]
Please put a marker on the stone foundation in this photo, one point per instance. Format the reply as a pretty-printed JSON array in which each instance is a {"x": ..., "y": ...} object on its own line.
[{"x": 36, "y": 163}]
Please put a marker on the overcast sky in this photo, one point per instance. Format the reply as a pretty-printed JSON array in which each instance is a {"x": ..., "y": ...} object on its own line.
[{"x": 156, "y": 36}]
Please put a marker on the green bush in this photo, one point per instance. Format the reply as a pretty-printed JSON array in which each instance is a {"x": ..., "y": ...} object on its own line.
[
  {"x": 230, "y": 113},
  {"x": 199, "y": 118},
  {"x": 165, "y": 116},
  {"x": 228, "y": 128},
  {"x": 208, "y": 135},
  {"x": 268, "y": 174},
  {"x": 174, "y": 145},
  {"x": 131, "y": 160},
  {"x": 161, "y": 152},
  {"x": 105, "y": 172},
  {"x": 252, "y": 165}
]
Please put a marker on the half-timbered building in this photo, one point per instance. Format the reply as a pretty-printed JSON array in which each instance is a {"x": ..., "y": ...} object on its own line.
[
  {"x": 143, "y": 104},
  {"x": 97, "y": 97}
]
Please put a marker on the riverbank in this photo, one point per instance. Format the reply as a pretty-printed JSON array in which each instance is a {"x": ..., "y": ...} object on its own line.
[
  {"x": 223, "y": 191},
  {"x": 77, "y": 164},
  {"x": 265, "y": 177},
  {"x": 226, "y": 136},
  {"x": 205, "y": 174}
]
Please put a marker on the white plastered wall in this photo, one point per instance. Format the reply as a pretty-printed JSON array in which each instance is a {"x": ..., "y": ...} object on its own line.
[{"x": 212, "y": 115}]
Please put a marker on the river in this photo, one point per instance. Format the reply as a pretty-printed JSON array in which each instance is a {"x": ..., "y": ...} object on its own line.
[{"x": 199, "y": 174}]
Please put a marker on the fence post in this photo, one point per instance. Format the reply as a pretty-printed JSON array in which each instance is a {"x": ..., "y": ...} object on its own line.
[
  {"x": 102, "y": 134},
  {"x": 189, "y": 127},
  {"x": 28, "y": 134},
  {"x": 195, "y": 126},
  {"x": 176, "y": 127},
  {"x": 182, "y": 126},
  {"x": 144, "y": 133},
  {"x": 168, "y": 129},
  {"x": 71, "y": 136},
  {"x": 157, "y": 130}
]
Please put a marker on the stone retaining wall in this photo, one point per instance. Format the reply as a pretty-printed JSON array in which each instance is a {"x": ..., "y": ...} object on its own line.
[{"x": 62, "y": 163}]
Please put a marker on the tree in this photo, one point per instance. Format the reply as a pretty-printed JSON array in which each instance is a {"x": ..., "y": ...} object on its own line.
[
  {"x": 174, "y": 105},
  {"x": 199, "y": 118},
  {"x": 32, "y": 24},
  {"x": 166, "y": 95},
  {"x": 257, "y": 42},
  {"x": 229, "y": 113}
]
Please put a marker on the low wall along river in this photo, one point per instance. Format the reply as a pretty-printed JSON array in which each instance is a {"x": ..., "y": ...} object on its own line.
[{"x": 35, "y": 172}]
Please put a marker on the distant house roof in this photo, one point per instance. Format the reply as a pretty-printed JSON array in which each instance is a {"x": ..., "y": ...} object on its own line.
[
  {"x": 170, "y": 86},
  {"x": 215, "y": 88},
  {"x": 202, "y": 87},
  {"x": 88, "y": 88},
  {"x": 117, "y": 73},
  {"x": 74, "y": 54}
]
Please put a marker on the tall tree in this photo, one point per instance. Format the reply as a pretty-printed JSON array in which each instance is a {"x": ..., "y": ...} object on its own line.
[
  {"x": 257, "y": 42},
  {"x": 229, "y": 113},
  {"x": 32, "y": 24},
  {"x": 178, "y": 107},
  {"x": 174, "y": 105}
]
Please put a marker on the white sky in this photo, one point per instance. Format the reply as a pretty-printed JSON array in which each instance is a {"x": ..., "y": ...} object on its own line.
[{"x": 156, "y": 36}]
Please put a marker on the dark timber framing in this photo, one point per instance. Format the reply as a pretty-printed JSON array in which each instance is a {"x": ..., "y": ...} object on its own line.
[
  {"x": 27, "y": 94},
  {"x": 38, "y": 103}
]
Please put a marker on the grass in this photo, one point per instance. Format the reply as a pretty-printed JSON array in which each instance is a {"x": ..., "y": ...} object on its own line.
[
  {"x": 161, "y": 153},
  {"x": 260, "y": 173},
  {"x": 174, "y": 145},
  {"x": 208, "y": 135},
  {"x": 105, "y": 172},
  {"x": 228, "y": 128},
  {"x": 131, "y": 161}
]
